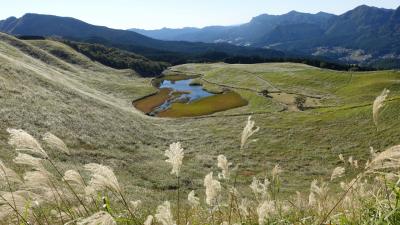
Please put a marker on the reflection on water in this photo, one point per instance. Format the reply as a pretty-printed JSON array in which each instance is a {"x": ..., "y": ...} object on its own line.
[
  {"x": 181, "y": 91},
  {"x": 191, "y": 92},
  {"x": 183, "y": 96}
]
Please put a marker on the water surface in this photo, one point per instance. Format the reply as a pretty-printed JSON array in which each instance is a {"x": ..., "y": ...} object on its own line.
[
  {"x": 185, "y": 98},
  {"x": 189, "y": 92}
]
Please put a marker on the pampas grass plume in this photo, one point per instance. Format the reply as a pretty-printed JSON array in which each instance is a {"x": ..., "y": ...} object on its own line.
[
  {"x": 213, "y": 187},
  {"x": 102, "y": 177},
  {"x": 99, "y": 218},
  {"x": 337, "y": 172},
  {"x": 193, "y": 200},
  {"x": 247, "y": 132},
  {"x": 378, "y": 104},
  {"x": 164, "y": 215},
  {"x": 223, "y": 164},
  {"x": 175, "y": 157},
  {"x": 28, "y": 160},
  {"x": 55, "y": 143},
  {"x": 24, "y": 142}
]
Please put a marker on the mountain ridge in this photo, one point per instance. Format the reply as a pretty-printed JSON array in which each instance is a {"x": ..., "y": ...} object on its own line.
[
  {"x": 370, "y": 31},
  {"x": 77, "y": 30}
]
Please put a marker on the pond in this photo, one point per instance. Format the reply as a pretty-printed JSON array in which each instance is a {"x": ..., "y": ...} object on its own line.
[
  {"x": 189, "y": 90},
  {"x": 186, "y": 97}
]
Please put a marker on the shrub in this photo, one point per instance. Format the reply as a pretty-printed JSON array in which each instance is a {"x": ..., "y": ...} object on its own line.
[{"x": 300, "y": 102}]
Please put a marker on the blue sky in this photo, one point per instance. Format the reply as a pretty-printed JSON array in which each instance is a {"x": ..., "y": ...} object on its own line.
[{"x": 151, "y": 14}]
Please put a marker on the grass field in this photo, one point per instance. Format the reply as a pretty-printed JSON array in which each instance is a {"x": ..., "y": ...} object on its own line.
[
  {"x": 148, "y": 103},
  {"x": 89, "y": 106},
  {"x": 211, "y": 104}
]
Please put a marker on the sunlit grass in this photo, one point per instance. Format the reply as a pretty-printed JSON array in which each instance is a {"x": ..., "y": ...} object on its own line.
[{"x": 204, "y": 106}]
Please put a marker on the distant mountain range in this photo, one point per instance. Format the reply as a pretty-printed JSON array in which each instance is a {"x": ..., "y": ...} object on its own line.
[
  {"x": 362, "y": 35},
  {"x": 76, "y": 30},
  {"x": 367, "y": 36},
  {"x": 247, "y": 34}
]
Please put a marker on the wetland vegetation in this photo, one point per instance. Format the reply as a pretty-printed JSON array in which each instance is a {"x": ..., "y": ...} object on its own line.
[{"x": 184, "y": 96}]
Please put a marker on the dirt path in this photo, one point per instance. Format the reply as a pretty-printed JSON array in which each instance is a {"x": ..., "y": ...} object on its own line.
[
  {"x": 282, "y": 97},
  {"x": 273, "y": 88},
  {"x": 228, "y": 86}
]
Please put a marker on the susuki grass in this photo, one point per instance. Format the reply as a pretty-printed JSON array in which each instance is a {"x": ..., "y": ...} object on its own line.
[
  {"x": 88, "y": 106},
  {"x": 39, "y": 195}
]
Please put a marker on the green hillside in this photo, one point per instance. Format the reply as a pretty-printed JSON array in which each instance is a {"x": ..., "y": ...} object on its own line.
[{"x": 89, "y": 106}]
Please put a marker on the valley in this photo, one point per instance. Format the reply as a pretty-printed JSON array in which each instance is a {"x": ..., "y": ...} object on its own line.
[
  {"x": 287, "y": 113},
  {"x": 183, "y": 96},
  {"x": 89, "y": 106}
]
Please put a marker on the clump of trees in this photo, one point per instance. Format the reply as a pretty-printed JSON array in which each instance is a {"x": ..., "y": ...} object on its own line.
[
  {"x": 119, "y": 59},
  {"x": 308, "y": 61},
  {"x": 300, "y": 102}
]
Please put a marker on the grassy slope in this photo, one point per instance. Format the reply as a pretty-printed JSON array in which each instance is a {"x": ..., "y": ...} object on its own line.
[
  {"x": 210, "y": 104},
  {"x": 89, "y": 106},
  {"x": 90, "y": 109},
  {"x": 307, "y": 143}
]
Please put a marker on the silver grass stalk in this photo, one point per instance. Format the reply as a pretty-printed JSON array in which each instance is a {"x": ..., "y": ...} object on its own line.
[
  {"x": 276, "y": 171},
  {"x": 213, "y": 188},
  {"x": 99, "y": 218},
  {"x": 102, "y": 178},
  {"x": 299, "y": 203},
  {"x": 74, "y": 179},
  {"x": 28, "y": 160},
  {"x": 61, "y": 217},
  {"x": 350, "y": 160},
  {"x": 247, "y": 132},
  {"x": 149, "y": 220},
  {"x": 55, "y": 143},
  {"x": 341, "y": 158},
  {"x": 265, "y": 209},
  {"x": 164, "y": 215},
  {"x": 16, "y": 202},
  {"x": 372, "y": 151},
  {"x": 77, "y": 185},
  {"x": 378, "y": 104},
  {"x": 260, "y": 188},
  {"x": 318, "y": 194},
  {"x": 135, "y": 205},
  {"x": 175, "y": 157},
  {"x": 24, "y": 142},
  {"x": 312, "y": 201},
  {"x": 337, "y": 172},
  {"x": 223, "y": 164},
  {"x": 244, "y": 207},
  {"x": 319, "y": 190},
  {"x": 39, "y": 182},
  {"x": 193, "y": 200},
  {"x": 355, "y": 164},
  {"x": 388, "y": 159},
  {"x": 8, "y": 175}
]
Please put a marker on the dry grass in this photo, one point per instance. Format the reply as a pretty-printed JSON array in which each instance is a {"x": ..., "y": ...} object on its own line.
[
  {"x": 147, "y": 104},
  {"x": 90, "y": 108},
  {"x": 205, "y": 106},
  {"x": 360, "y": 201}
]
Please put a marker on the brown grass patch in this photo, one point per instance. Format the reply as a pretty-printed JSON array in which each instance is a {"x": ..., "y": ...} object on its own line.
[
  {"x": 147, "y": 104},
  {"x": 205, "y": 106}
]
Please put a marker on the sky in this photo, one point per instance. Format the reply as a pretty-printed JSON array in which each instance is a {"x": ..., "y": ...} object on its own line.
[{"x": 155, "y": 14}]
